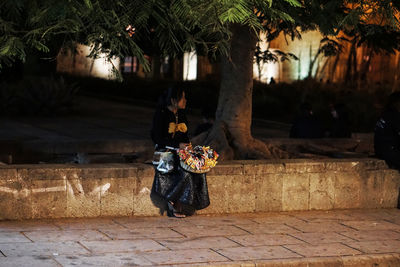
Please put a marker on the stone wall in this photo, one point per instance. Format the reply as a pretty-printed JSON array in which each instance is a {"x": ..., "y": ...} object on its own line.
[{"x": 53, "y": 191}]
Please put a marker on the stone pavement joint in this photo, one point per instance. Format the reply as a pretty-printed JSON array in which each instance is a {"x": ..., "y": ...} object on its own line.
[{"x": 368, "y": 237}]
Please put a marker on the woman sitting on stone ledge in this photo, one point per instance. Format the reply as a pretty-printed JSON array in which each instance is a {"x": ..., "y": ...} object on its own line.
[{"x": 178, "y": 191}]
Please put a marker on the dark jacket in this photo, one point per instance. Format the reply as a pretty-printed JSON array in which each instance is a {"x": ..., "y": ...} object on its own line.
[
  {"x": 387, "y": 137},
  {"x": 306, "y": 126},
  {"x": 161, "y": 132}
]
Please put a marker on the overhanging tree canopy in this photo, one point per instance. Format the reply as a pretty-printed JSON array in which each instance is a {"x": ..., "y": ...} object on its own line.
[{"x": 227, "y": 27}]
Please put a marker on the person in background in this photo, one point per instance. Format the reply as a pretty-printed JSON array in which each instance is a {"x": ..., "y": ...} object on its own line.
[
  {"x": 387, "y": 133},
  {"x": 305, "y": 124},
  {"x": 340, "y": 122},
  {"x": 180, "y": 191}
]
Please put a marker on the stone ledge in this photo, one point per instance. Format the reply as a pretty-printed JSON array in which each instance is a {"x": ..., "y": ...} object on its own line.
[
  {"x": 71, "y": 190},
  {"x": 392, "y": 259}
]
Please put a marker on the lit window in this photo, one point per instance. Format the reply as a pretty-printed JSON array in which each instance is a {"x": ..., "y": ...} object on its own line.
[{"x": 190, "y": 66}]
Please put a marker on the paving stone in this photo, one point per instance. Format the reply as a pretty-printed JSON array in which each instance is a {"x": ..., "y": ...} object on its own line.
[
  {"x": 42, "y": 249},
  {"x": 365, "y": 214},
  {"x": 372, "y": 225},
  {"x": 221, "y": 220},
  {"x": 88, "y": 223},
  {"x": 65, "y": 235},
  {"x": 122, "y": 246},
  {"x": 12, "y": 237},
  {"x": 251, "y": 239},
  {"x": 321, "y": 237},
  {"x": 327, "y": 226},
  {"x": 27, "y": 225},
  {"x": 277, "y": 218},
  {"x": 209, "y": 230},
  {"x": 261, "y": 252},
  {"x": 31, "y": 261},
  {"x": 144, "y": 222},
  {"x": 395, "y": 221},
  {"x": 383, "y": 246},
  {"x": 265, "y": 240},
  {"x": 269, "y": 228},
  {"x": 183, "y": 256},
  {"x": 372, "y": 235},
  {"x": 109, "y": 259},
  {"x": 390, "y": 215},
  {"x": 199, "y": 242},
  {"x": 323, "y": 250},
  {"x": 140, "y": 233},
  {"x": 316, "y": 216}
]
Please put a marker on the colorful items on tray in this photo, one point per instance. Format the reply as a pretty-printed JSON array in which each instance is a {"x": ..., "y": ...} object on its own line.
[{"x": 198, "y": 159}]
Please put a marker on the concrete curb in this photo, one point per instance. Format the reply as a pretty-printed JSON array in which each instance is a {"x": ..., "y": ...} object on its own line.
[{"x": 92, "y": 190}]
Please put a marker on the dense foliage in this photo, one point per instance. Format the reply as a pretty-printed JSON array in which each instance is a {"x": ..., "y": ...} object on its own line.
[{"x": 171, "y": 27}]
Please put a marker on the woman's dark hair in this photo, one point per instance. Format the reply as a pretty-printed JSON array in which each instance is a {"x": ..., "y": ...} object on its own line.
[{"x": 173, "y": 92}]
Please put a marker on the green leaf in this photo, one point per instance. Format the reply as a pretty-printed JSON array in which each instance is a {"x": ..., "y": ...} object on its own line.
[{"x": 88, "y": 4}]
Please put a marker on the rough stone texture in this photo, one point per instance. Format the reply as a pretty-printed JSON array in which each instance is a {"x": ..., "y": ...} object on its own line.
[
  {"x": 261, "y": 167},
  {"x": 347, "y": 190},
  {"x": 116, "y": 196},
  {"x": 142, "y": 204},
  {"x": 322, "y": 195},
  {"x": 15, "y": 198},
  {"x": 73, "y": 190},
  {"x": 299, "y": 166},
  {"x": 295, "y": 194},
  {"x": 231, "y": 193},
  {"x": 83, "y": 197},
  {"x": 7, "y": 174},
  {"x": 268, "y": 192},
  {"x": 49, "y": 198},
  {"x": 391, "y": 189}
]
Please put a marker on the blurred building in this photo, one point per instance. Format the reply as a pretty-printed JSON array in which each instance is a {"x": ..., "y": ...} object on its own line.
[{"x": 357, "y": 63}]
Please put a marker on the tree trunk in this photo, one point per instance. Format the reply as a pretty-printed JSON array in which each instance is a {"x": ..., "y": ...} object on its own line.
[
  {"x": 349, "y": 71},
  {"x": 231, "y": 135}
]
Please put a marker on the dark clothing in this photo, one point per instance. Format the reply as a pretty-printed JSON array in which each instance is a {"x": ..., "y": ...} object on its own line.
[
  {"x": 189, "y": 189},
  {"x": 179, "y": 186},
  {"x": 160, "y": 131},
  {"x": 306, "y": 126},
  {"x": 387, "y": 138},
  {"x": 340, "y": 129}
]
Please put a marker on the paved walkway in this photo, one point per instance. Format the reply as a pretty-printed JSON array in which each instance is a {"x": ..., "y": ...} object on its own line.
[{"x": 317, "y": 238}]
